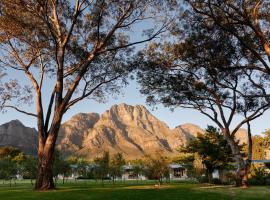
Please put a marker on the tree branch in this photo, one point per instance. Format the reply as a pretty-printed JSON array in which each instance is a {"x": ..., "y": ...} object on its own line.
[{"x": 19, "y": 110}]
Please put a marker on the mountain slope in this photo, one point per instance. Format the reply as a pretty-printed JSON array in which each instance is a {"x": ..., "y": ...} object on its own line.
[
  {"x": 15, "y": 134},
  {"x": 134, "y": 131},
  {"x": 73, "y": 132}
]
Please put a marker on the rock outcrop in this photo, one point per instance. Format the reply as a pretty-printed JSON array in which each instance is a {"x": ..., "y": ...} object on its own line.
[{"x": 73, "y": 132}]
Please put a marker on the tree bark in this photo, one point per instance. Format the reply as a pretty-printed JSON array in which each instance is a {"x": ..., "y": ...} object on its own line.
[
  {"x": 245, "y": 176},
  {"x": 242, "y": 167},
  {"x": 45, "y": 172},
  {"x": 45, "y": 159}
]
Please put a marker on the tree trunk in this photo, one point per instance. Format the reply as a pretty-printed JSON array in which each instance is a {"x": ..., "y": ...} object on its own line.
[
  {"x": 45, "y": 163},
  {"x": 242, "y": 170},
  {"x": 210, "y": 176},
  {"x": 45, "y": 154},
  {"x": 245, "y": 176},
  {"x": 45, "y": 173}
]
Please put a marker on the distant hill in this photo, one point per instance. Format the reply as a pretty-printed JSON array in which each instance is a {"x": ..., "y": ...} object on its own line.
[
  {"x": 15, "y": 134},
  {"x": 132, "y": 130}
]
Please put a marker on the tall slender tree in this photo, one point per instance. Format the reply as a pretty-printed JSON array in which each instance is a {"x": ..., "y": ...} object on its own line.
[{"x": 68, "y": 51}]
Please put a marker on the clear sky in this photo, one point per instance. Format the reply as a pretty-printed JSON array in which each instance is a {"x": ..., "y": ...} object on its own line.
[{"x": 132, "y": 96}]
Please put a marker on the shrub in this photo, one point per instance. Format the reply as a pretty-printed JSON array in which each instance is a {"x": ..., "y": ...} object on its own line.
[{"x": 260, "y": 177}]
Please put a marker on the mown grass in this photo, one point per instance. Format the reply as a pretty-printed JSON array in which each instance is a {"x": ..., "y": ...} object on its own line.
[{"x": 134, "y": 191}]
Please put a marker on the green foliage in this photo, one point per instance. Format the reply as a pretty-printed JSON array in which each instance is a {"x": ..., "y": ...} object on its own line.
[
  {"x": 157, "y": 168},
  {"x": 9, "y": 152},
  {"x": 29, "y": 168},
  {"x": 8, "y": 168},
  {"x": 259, "y": 177},
  {"x": 198, "y": 168},
  {"x": 102, "y": 166},
  {"x": 213, "y": 149},
  {"x": 61, "y": 166},
  {"x": 184, "y": 158},
  {"x": 116, "y": 165},
  {"x": 10, "y": 160}
]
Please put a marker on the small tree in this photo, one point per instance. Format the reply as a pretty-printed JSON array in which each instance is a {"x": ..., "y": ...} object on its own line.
[
  {"x": 198, "y": 166},
  {"x": 213, "y": 149},
  {"x": 61, "y": 167},
  {"x": 157, "y": 168},
  {"x": 83, "y": 168},
  {"x": 102, "y": 169},
  {"x": 8, "y": 169},
  {"x": 116, "y": 165},
  {"x": 29, "y": 168}
]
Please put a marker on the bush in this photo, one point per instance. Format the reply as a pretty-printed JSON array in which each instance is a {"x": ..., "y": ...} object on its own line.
[
  {"x": 203, "y": 179},
  {"x": 216, "y": 181},
  {"x": 260, "y": 177}
]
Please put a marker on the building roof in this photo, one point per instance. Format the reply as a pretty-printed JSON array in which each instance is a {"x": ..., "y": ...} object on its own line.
[
  {"x": 176, "y": 166},
  {"x": 260, "y": 161}
]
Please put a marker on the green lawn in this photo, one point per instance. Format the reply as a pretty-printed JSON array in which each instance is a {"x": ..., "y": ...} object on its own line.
[{"x": 134, "y": 191}]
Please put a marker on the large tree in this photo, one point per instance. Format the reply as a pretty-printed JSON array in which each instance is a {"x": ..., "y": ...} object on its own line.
[
  {"x": 68, "y": 51},
  {"x": 194, "y": 72}
]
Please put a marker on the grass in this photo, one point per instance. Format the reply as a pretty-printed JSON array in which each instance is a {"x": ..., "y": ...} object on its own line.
[{"x": 134, "y": 191}]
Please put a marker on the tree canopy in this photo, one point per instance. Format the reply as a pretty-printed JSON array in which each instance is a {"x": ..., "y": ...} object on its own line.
[{"x": 213, "y": 149}]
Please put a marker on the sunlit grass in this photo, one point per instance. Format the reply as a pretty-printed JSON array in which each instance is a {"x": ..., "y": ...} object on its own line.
[{"x": 133, "y": 190}]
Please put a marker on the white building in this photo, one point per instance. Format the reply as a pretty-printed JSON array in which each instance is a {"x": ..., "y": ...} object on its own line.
[
  {"x": 178, "y": 172},
  {"x": 131, "y": 172}
]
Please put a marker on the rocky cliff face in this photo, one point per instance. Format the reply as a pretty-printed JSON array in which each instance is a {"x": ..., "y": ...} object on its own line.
[
  {"x": 128, "y": 129},
  {"x": 15, "y": 134},
  {"x": 135, "y": 132},
  {"x": 73, "y": 132}
]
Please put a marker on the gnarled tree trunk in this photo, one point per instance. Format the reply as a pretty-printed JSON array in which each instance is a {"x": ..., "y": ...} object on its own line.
[
  {"x": 45, "y": 172},
  {"x": 45, "y": 158},
  {"x": 242, "y": 165}
]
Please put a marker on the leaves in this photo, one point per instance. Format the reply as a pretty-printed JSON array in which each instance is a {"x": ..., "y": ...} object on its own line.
[{"x": 212, "y": 148}]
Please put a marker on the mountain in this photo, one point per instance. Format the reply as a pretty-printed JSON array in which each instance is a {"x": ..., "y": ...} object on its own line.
[
  {"x": 15, "y": 134},
  {"x": 73, "y": 132},
  {"x": 186, "y": 132},
  {"x": 241, "y": 136},
  {"x": 132, "y": 130}
]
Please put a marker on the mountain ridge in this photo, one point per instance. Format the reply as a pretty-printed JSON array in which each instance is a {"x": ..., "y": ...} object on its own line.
[{"x": 131, "y": 130}]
